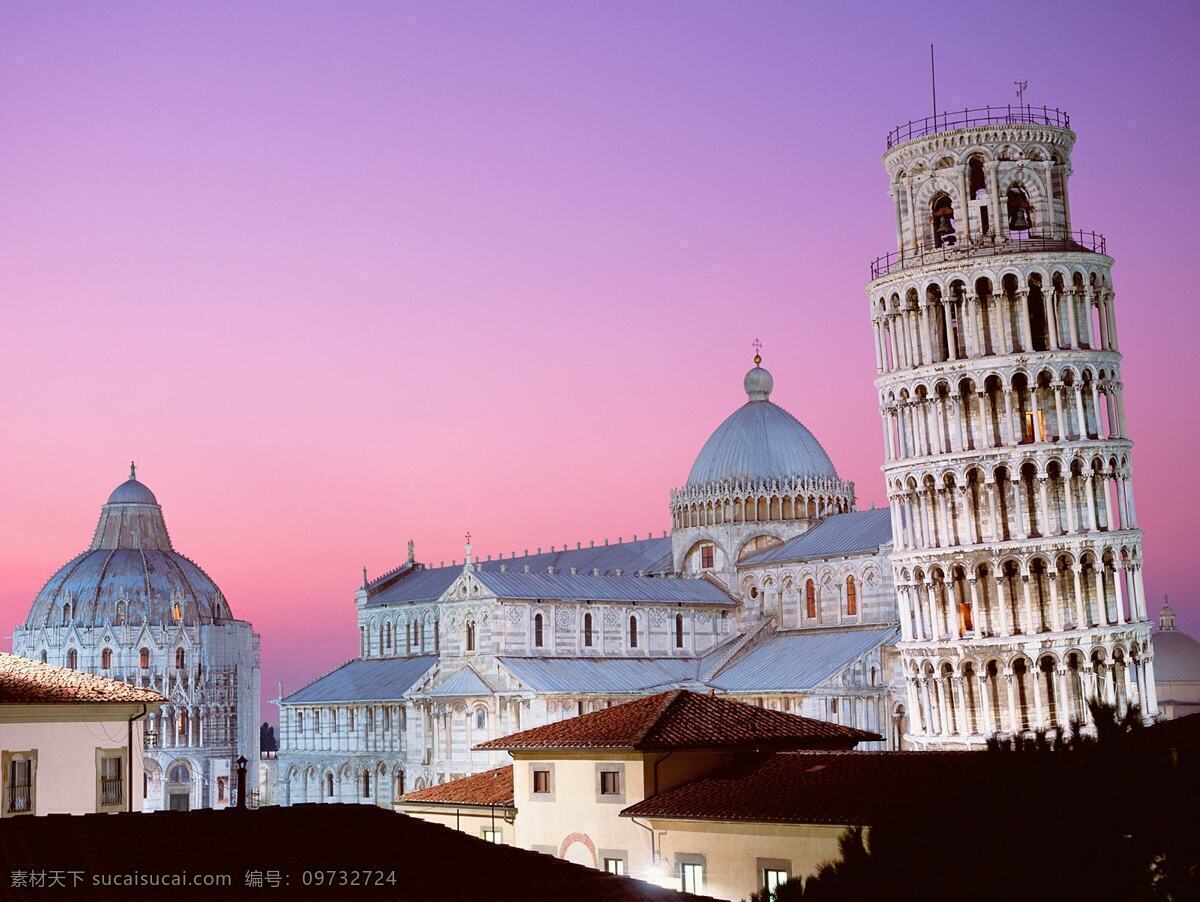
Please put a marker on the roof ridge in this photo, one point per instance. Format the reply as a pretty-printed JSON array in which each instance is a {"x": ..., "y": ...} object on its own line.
[{"x": 670, "y": 697}]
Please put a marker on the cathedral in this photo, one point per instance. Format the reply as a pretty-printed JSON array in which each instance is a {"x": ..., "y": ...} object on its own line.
[
  {"x": 132, "y": 608},
  {"x": 1000, "y": 591}
]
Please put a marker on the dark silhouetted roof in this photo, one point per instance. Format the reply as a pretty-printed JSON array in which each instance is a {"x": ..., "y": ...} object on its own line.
[
  {"x": 26, "y": 682},
  {"x": 680, "y": 719},
  {"x": 429, "y": 861},
  {"x": 845, "y": 788},
  {"x": 492, "y": 787}
]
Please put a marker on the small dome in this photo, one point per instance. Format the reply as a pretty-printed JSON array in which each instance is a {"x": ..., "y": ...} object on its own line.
[
  {"x": 760, "y": 441},
  {"x": 1176, "y": 657},
  {"x": 132, "y": 492}
]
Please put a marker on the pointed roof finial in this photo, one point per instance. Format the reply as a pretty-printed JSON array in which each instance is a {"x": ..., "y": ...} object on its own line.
[
  {"x": 132, "y": 470},
  {"x": 467, "y": 558},
  {"x": 757, "y": 352},
  {"x": 364, "y": 585}
]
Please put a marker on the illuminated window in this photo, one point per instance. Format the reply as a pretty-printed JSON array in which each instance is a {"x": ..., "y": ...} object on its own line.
[
  {"x": 851, "y": 597},
  {"x": 810, "y": 599},
  {"x": 490, "y": 835},
  {"x": 120, "y": 612},
  {"x": 614, "y": 865},
  {"x": 106, "y": 658},
  {"x": 176, "y": 612},
  {"x": 144, "y": 659}
]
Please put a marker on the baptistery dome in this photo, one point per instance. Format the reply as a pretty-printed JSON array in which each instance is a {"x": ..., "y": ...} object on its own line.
[
  {"x": 130, "y": 574},
  {"x": 760, "y": 441}
]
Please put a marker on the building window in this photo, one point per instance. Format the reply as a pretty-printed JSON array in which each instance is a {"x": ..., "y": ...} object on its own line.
[
  {"x": 470, "y": 635},
  {"x": 537, "y": 630},
  {"x": 110, "y": 769},
  {"x": 19, "y": 782},
  {"x": 176, "y": 612},
  {"x": 810, "y": 599},
  {"x": 72, "y": 659},
  {"x": 180, "y": 659},
  {"x": 120, "y": 612},
  {"x": 691, "y": 875},
  {"x": 851, "y": 597},
  {"x": 106, "y": 659},
  {"x": 490, "y": 835},
  {"x": 333, "y": 720},
  {"x": 329, "y": 785},
  {"x": 66, "y": 621},
  {"x": 366, "y": 784},
  {"x": 398, "y": 784},
  {"x": 387, "y": 636},
  {"x": 480, "y": 718},
  {"x": 772, "y": 879},
  {"x": 350, "y": 718},
  {"x": 300, "y": 721},
  {"x": 541, "y": 781},
  {"x": 610, "y": 783},
  {"x": 43, "y": 656},
  {"x": 362, "y": 641},
  {"x": 614, "y": 865},
  {"x": 633, "y": 632},
  {"x": 587, "y": 630},
  {"x": 144, "y": 659},
  {"x": 706, "y": 556},
  {"x": 679, "y": 631}
]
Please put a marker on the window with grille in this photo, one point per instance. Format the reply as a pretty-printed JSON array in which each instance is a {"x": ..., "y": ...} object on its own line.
[
  {"x": 18, "y": 790},
  {"x": 706, "y": 556},
  {"x": 111, "y": 784}
]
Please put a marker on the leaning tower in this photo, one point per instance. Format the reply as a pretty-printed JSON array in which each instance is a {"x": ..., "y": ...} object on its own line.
[{"x": 1017, "y": 555}]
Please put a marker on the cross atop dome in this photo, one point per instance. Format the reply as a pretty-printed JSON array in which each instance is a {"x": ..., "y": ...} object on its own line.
[{"x": 757, "y": 352}]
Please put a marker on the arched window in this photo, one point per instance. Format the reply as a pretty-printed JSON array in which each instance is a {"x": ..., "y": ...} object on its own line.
[
  {"x": 106, "y": 658},
  {"x": 679, "y": 631},
  {"x": 43, "y": 656},
  {"x": 72, "y": 659},
  {"x": 398, "y": 780},
  {"x": 180, "y": 659},
  {"x": 366, "y": 784},
  {"x": 120, "y": 612},
  {"x": 144, "y": 659},
  {"x": 66, "y": 621},
  {"x": 810, "y": 599},
  {"x": 942, "y": 216},
  {"x": 179, "y": 774},
  {"x": 387, "y": 636},
  {"x": 975, "y": 177},
  {"x": 176, "y": 612},
  {"x": 329, "y": 785},
  {"x": 537, "y": 630},
  {"x": 470, "y": 635},
  {"x": 299, "y": 721},
  {"x": 587, "y": 630},
  {"x": 480, "y": 718},
  {"x": 362, "y": 641},
  {"x": 633, "y": 632},
  {"x": 851, "y": 597}
]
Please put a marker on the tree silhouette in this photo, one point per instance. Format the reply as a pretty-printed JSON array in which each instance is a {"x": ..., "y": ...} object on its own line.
[{"x": 266, "y": 738}]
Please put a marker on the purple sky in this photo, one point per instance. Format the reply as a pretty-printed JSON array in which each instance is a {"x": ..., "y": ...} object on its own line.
[{"x": 338, "y": 275}]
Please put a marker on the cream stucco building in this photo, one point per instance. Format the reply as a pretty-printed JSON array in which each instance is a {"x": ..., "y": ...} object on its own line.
[{"x": 70, "y": 742}]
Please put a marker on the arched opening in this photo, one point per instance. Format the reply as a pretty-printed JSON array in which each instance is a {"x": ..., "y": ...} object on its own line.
[
  {"x": 851, "y": 597},
  {"x": 366, "y": 784},
  {"x": 106, "y": 658},
  {"x": 329, "y": 785},
  {"x": 1020, "y": 212},
  {"x": 942, "y": 217},
  {"x": 537, "y": 631},
  {"x": 144, "y": 659},
  {"x": 587, "y": 630},
  {"x": 810, "y": 600},
  {"x": 176, "y": 612},
  {"x": 470, "y": 635},
  {"x": 180, "y": 659},
  {"x": 633, "y": 632},
  {"x": 679, "y": 631},
  {"x": 72, "y": 659}
]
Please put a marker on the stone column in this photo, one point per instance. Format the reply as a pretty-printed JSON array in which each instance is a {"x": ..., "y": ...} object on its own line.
[
  {"x": 1029, "y": 628},
  {"x": 1108, "y": 517},
  {"x": 1151, "y": 706},
  {"x": 1056, "y": 619},
  {"x": 1039, "y": 709},
  {"x": 1044, "y": 497},
  {"x": 1051, "y": 318},
  {"x": 915, "y": 714},
  {"x": 1080, "y": 414},
  {"x": 1072, "y": 337},
  {"x": 1014, "y": 715},
  {"x": 1002, "y": 595},
  {"x": 902, "y": 609},
  {"x": 1101, "y": 599},
  {"x": 978, "y": 615},
  {"x": 1069, "y": 499},
  {"x": 922, "y": 631},
  {"x": 1118, "y": 579},
  {"x": 964, "y": 722},
  {"x": 993, "y": 522},
  {"x": 1081, "y": 617},
  {"x": 1021, "y": 301},
  {"x": 943, "y": 708},
  {"x": 1092, "y": 524},
  {"x": 1060, "y": 429}
]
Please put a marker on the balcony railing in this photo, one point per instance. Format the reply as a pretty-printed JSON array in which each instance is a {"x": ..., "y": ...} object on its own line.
[
  {"x": 988, "y": 246},
  {"x": 989, "y": 115},
  {"x": 19, "y": 797},
  {"x": 110, "y": 790}
]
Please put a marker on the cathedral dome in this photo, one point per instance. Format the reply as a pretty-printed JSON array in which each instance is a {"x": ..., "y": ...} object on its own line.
[
  {"x": 131, "y": 573},
  {"x": 1176, "y": 654},
  {"x": 760, "y": 441}
]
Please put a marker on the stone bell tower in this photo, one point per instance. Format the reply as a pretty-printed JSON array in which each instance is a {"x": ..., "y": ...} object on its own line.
[{"x": 1017, "y": 556}]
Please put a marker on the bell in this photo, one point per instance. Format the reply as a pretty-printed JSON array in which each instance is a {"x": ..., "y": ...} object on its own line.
[
  {"x": 943, "y": 224},
  {"x": 1018, "y": 218}
]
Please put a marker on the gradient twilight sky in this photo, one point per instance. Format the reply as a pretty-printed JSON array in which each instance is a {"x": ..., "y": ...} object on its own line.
[{"x": 338, "y": 275}]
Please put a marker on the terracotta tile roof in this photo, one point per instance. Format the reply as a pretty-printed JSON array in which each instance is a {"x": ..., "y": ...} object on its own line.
[
  {"x": 26, "y": 682},
  {"x": 809, "y": 787},
  {"x": 444, "y": 864},
  {"x": 681, "y": 719},
  {"x": 492, "y": 787}
]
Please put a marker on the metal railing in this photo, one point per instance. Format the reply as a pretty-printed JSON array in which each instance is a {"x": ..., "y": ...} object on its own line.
[
  {"x": 988, "y": 246},
  {"x": 988, "y": 115},
  {"x": 110, "y": 790},
  {"x": 19, "y": 797}
]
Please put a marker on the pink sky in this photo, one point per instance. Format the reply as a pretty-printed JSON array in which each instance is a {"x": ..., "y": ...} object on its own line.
[{"x": 338, "y": 275}]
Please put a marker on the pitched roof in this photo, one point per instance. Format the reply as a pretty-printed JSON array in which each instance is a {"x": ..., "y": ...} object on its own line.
[
  {"x": 603, "y": 675},
  {"x": 463, "y": 682},
  {"x": 847, "y": 788},
  {"x": 586, "y": 587},
  {"x": 800, "y": 661},
  {"x": 492, "y": 787},
  {"x": 418, "y": 584},
  {"x": 366, "y": 680},
  {"x": 841, "y": 534},
  {"x": 449, "y": 864},
  {"x": 26, "y": 682},
  {"x": 681, "y": 719}
]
